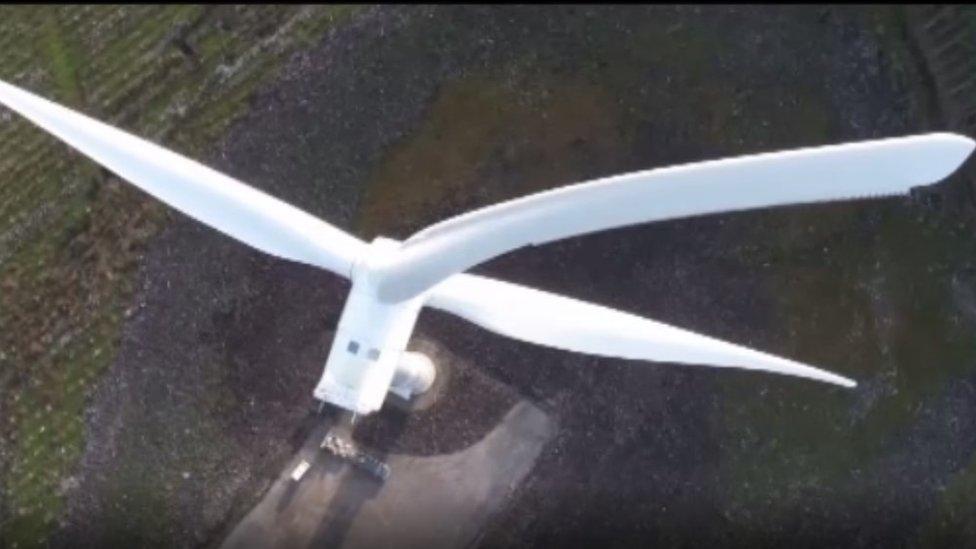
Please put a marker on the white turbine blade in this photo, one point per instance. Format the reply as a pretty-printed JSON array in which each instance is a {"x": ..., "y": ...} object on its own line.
[
  {"x": 233, "y": 208},
  {"x": 838, "y": 172},
  {"x": 552, "y": 320}
]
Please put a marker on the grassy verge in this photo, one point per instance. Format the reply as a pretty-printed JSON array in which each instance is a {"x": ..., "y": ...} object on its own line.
[{"x": 70, "y": 236}]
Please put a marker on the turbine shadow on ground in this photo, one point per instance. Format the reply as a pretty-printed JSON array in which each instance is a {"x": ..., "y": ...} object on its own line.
[{"x": 350, "y": 496}]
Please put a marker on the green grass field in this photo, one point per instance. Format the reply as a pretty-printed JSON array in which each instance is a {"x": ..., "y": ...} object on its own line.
[{"x": 70, "y": 237}]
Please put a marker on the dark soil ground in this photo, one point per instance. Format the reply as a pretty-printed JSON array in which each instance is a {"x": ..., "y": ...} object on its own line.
[{"x": 406, "y": 115}]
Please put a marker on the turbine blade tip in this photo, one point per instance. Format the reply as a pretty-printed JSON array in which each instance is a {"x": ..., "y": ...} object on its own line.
[
  {"x": 963, "y": 144},
  {"x": 847, "y": 383}
]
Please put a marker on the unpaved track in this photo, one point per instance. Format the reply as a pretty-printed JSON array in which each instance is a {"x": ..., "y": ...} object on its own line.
[{"x": 428, "y": 501}]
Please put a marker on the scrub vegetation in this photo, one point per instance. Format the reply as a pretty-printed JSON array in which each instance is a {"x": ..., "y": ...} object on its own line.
[{"x": 70, "y": 235}]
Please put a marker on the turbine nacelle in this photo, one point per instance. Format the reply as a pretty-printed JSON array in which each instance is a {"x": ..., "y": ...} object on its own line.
[{"x": 370, "y": 342}]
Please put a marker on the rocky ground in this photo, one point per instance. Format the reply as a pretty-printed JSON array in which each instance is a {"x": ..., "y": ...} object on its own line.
[{"x": 402, "y": 116}]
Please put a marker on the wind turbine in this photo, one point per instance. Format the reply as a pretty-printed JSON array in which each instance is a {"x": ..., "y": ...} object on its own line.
[{"x": 392, "y": 281}]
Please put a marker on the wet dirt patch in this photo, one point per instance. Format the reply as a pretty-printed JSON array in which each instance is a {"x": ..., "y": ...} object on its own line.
[{"x": 504, "y": 137}]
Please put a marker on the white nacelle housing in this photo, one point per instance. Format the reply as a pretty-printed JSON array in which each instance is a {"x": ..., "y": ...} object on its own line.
[{"x": 369, "y": 341}]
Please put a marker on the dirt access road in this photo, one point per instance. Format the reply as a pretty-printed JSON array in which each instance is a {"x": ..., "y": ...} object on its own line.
[
  {"x": 406, "y": 115},
  {"x": 428, "y": 501}
]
